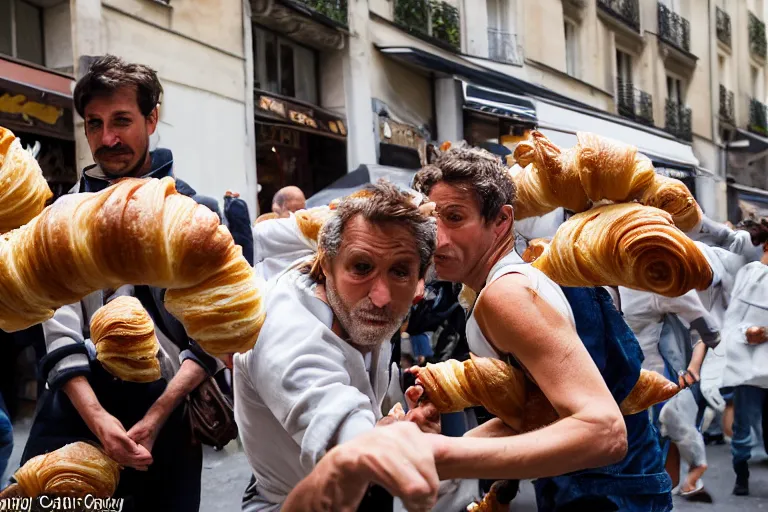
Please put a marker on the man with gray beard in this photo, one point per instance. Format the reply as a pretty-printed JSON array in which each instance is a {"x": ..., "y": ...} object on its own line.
[{"x": 319, "y": 371}]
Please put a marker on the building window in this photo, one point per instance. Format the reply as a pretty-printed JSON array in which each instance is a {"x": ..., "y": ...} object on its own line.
[
  {"x": 756, "y": 83},
  {"x": 675, "y": 90},
  {"x": 672, "y": 5},
  {"x": 624, "y": 68},
  {"x": 497, "y": 15},
  {"x": 21, "y": 31},
  {"x": 284, "y": 67},
  {"x": 571, "y": 47}
]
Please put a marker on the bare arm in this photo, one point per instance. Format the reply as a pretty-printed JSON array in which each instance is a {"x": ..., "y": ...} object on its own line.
[
  {"x": 591, "y": 432},
  {"x": 697, "y": 359},
  {"x": 189, "y": 376}
]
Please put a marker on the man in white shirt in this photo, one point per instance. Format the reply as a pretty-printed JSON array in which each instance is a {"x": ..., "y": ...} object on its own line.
[{"x": 319, "y": 371}]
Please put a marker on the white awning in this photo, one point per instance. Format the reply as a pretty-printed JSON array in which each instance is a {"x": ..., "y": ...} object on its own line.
[{"x": 560, "y": 125}]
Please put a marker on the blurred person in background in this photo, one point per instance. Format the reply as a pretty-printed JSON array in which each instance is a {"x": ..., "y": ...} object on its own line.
[{"x": 288, "y": 200}]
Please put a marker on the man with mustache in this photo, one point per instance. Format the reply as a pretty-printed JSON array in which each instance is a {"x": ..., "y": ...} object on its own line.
[
  {"x": 140, "y": 425},
  {"x": 521, "y": 316},
  {"x": 318, "y": 373}
]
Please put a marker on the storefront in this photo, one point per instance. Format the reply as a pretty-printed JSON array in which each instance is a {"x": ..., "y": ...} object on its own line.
[
  {"x": 297, "y": 142},
  {"x": 747, "y": 171},
  {"x": 495, "y": 118},
  {"x": 36, "y": 104}
]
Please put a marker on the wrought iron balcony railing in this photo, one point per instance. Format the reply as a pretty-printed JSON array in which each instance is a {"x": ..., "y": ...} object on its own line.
[
  {"x": 727, "y": 107},
  {"x": 758, "y": 119},
  {"x": 723, "y": 27},
  {"x": 333, "y": 9},
  {"x": 633, "y": 103},
  {"x": 757, "y": 43},
  {"x": 627, "y": 11},
  {"x": 674, "y": 29},
  {"x": 678, "y": 120},
  {"x": 431, "y": 18},
  {"x": 503, "y": 47}
]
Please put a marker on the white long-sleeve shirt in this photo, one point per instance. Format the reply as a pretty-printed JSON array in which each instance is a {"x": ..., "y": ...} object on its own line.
[
  {"x": 302, "y": 389},
  {"x": 644, "y": 313},
  {"x": 747, "y": 364},
  {"x": 278, "y": 243}
]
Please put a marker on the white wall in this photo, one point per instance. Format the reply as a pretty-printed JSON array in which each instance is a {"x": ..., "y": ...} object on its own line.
[
  {"x": 207, "y": 136},
  {"x": 57, "y": 29},
  {"x": 174, "y": 58}
]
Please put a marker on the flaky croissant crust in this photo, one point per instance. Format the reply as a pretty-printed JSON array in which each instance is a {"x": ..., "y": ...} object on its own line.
[
  {"x": 595, "y": 170},
  {"x": 23, "y": 189},
  {"x": 506, "y": 392},
  {"x": 77, "y": 469},
  {"x": 627, "y": 245},
  {"x": 138, "y": 231},
  {"x": 125, "y": 340}
]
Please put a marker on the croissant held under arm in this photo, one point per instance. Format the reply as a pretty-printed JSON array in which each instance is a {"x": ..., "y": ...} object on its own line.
[
  {"x": 77, "y": 469},
  {"x": 23, "y": 189},
  {"x": 506, "y": 393},
  {"x": 138, "y": 231},
  {"x": 627, "y": 245}
]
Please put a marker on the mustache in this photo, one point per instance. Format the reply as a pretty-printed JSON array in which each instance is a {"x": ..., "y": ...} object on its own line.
[
  {"x": 373, "y": 313},
  {"x": 118, "y": 149}
]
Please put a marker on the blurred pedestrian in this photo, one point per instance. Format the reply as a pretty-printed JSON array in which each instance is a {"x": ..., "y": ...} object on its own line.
[
  {"x": 746, "y": 373},
  {"x": 288, "y": 200}
]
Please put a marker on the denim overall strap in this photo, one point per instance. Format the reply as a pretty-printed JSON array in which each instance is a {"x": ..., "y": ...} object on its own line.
[{"x": 639, "y": 482}]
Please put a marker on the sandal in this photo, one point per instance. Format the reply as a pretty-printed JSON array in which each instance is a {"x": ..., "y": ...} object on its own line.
[{"x": 697, "y": 495}]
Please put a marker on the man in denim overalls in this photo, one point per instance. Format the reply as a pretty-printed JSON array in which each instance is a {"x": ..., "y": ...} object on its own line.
[{"x": 570, "y": 341}]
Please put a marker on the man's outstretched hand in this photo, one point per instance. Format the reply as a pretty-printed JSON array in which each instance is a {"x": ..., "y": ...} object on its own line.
[{"x": 397, "y": 457}]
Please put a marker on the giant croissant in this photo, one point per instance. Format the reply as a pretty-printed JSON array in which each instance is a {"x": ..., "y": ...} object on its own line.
[
  {"x": 595, "y": 169},
  {"x": 625, "y": 245},
  {"x": 141, "y": 232},
  {"x": 125, "y": 340},
  {"x": 505, "y": 392},
  {"x": 23, "y": 190},
  {"x": 76, "y": 470}
]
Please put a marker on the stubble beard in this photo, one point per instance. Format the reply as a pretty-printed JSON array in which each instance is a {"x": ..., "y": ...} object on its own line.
[{"x": 361, "y": 334}]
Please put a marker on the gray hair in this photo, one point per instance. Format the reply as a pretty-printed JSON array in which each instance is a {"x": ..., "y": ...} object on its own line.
[
  {"x": 482, "y": 171},
  {"x": 378, "y": 204}
]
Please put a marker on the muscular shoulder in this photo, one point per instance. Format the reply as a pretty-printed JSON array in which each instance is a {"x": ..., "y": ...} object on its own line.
[{"x": 516, "y": 318}]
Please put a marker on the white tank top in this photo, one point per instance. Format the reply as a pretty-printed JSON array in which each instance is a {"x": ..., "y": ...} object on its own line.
[{"x": 540, "y": 283}]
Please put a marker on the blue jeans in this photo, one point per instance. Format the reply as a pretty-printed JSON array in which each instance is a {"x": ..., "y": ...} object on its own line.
[
  {"x": 6, "y": 437},
  {"x": 747, "y": 410}
]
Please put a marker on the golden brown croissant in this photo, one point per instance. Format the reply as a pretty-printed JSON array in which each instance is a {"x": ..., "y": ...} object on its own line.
[
  {"x": 651, "y": 388},
  {"x": 509, "y": 395},
  {"x": 77, "y": 469},
  {"x": 499, "y": 387},
  {"x": 673, "y": 196},
  {"x": 550, "y": 179},
  {"x": 23, "y": 189},
  {"x": 611, "y": 170},
  {"x": 491, "y": 501},
  {"x": 125, "y": 340},
  {"x": 138, "y": 231},
  {"x": 627, "y": 245},
  {"x": 311, "y": 221},
  {"x": 595, "y": 169},
  {"x": 224, "y": 313},
  {"x": 536, "y": 248}
]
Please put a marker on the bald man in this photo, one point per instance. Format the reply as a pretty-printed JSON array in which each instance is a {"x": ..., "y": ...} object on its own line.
[{"x": 288, "y": 200}]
